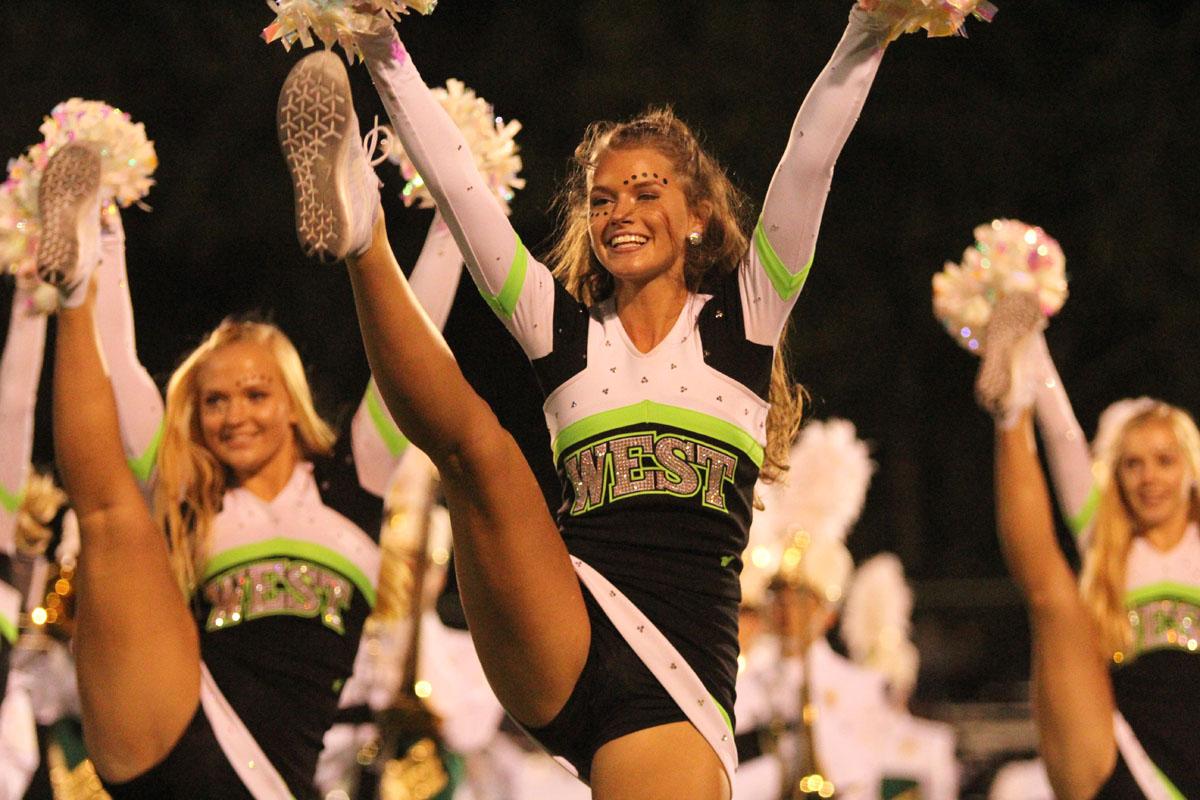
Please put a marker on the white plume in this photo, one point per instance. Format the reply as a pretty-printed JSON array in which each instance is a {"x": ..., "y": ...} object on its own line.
[
  {"x": 822, "y": 494},
  {"x": 877, "y": 621}
]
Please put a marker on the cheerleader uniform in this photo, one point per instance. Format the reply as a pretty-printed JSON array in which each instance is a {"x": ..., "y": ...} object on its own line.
[
  {"x": 657, "y": 452},
  {"x": 284, "y": 594}
]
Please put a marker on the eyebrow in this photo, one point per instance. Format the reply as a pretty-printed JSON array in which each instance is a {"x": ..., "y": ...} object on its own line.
[{"x": 641, "y": 184}]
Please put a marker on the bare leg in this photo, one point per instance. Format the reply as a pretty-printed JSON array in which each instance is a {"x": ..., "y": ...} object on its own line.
[
  {"x": 1073, "y": 699},
  {"x": 519, "y": 590},
  {"x": 136, "y": 646},
  {"x": 667, "y": 762}
]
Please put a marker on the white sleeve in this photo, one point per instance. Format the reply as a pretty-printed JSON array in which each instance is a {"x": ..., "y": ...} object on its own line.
[
  {"x": 375, "y": 439},
  {"x": 786, "y": 235},
  {"x": 1067, "y": 450},
  {"x": 139, "y": 404},
  {"x": 518, "y": 288},
  {"x": 20, "y": 373}
]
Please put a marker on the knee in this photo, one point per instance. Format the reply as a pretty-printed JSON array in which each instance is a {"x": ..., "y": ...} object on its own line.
[
  {"x": 1055, "y": 600},
  {"x": 484, "y": 450}
]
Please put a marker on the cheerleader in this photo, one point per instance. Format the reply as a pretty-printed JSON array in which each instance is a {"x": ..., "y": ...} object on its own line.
[{"x": 1114, "y": 657}]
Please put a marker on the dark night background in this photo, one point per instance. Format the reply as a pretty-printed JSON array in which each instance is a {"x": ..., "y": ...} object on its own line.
[{"x": 1076, "y": 116}]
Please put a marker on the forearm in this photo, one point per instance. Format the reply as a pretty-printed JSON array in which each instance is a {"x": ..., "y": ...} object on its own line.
[
  {"x": 20, "y": 373},
  {"x": 139, "y": 404},
  {"x": 1067, "y": 451},
  {"x": 444, "y": 160},
  {"x": 795, "y": 200}
]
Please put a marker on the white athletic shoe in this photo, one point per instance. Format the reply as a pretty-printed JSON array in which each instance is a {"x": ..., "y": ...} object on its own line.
[
  {"x": 337, "y": 192},
  {"x": 69, "y": 205},
  {"x": 1002, "y": 387}
]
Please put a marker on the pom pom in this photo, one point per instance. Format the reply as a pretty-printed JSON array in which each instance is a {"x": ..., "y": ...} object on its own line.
[
  {"x": 492, "y": 142},
  {"x": 820, "y": 497},
  {"x": 936, "y": 17},
  {"x": 127, "y": 162},
  {"x": 335, "y": 21},
  {"x": 876, "y": 621},
  {"x": 1008, "y": 256}
]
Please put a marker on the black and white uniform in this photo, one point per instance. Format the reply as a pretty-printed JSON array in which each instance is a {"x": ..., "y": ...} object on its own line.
[
  {"x": 286, "y": 587},
  {"x": 658, "y": 452},
  {"x": 1155, "y": 689},
  {"x": 1158, "y": 708}
]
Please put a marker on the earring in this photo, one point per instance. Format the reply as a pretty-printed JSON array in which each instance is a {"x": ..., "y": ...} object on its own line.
[{"x": 694, "y": 238}]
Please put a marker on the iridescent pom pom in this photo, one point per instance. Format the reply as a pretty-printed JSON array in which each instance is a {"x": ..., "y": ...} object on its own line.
[
  {"x": 1008, "y": 256},
  {"x": 491, "y": 139},
  {"x": 936, "y": 17},
  {"x": 127, "y": 162},
  {"x": 335, "y": 21}
]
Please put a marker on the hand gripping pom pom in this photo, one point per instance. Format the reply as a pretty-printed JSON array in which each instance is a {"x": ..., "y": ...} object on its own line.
[
  {"x": 1008, "y": 256},
  {"x": 491, "y": 141},
  {"x": 127, "y": 162},
  {"x": 335, "y": 21},
  {"x": 936, "y": 17}
]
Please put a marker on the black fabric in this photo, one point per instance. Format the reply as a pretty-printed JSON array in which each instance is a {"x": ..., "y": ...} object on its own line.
[
  {"x": 616, "y": 695},
  {"x": 5, "y": 647},
  {"x": 283, "y": 673},
  {"x": 1121, "y": 784},
  {"x": 1157, "y": 694},
  {"x": 196, "y": 768},
  {"x": 726, "y": 348},
  {"x": 337, "y": 482},
  {"x": 568, "y": 356}
]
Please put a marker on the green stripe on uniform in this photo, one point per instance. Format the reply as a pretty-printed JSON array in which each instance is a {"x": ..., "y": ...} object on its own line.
[
  {"x": 292, "y": 548},
  {"x": 656, "y": 413},
  {"x": 1083, "y": 520},
  {"x": 11, "y": 502},
  {"x": 8, "y": 629},
  {"x": 724, "y": 713},
  {"x": 143, "y": 465},
  {"x": 786, "y": 284},
  {"x": 1172, "y": 791},
  {"x": 395, "y": 441},
  {"x": 1163, "y": 590},
  {"x": 505, "y": 303}
]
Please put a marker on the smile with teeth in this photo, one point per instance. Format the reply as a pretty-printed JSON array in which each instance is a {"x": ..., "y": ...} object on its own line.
[{"x": 626, "y": 241}]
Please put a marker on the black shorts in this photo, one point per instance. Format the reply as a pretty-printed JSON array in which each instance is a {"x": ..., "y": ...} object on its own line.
[
  {"x": 616, "y": 694},
  {"x": 1121, "y": 784},
  {"x": 196, "y": 767}
]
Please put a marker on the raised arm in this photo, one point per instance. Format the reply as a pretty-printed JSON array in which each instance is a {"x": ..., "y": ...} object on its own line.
[
  {"x": 516, "y": 286},
  {"x": 1067, "y": 451},
  {"x": 139, "y": 404},
  {"x": 786, "y": 235},
  {"x": 377, "y": 442},
  {"x": 20, "y": 372}
]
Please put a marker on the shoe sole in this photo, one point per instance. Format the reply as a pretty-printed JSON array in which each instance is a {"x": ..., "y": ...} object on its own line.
[
  {"x": 68, "y": 190},
  {"x": 1013, "y": 318},
  {"x": 315, "y": 118}
]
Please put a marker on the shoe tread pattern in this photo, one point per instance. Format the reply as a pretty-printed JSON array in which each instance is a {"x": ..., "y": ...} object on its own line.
[
  {"x": 72, "y": 177},
  {"x": 313, "y": 109}
]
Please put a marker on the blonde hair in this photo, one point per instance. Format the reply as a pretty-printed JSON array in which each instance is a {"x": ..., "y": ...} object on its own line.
[
  {"x": 724, "y": 244},
  {"x": 191, "y": 481},
  {"x": 1104, "y": 567}
]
